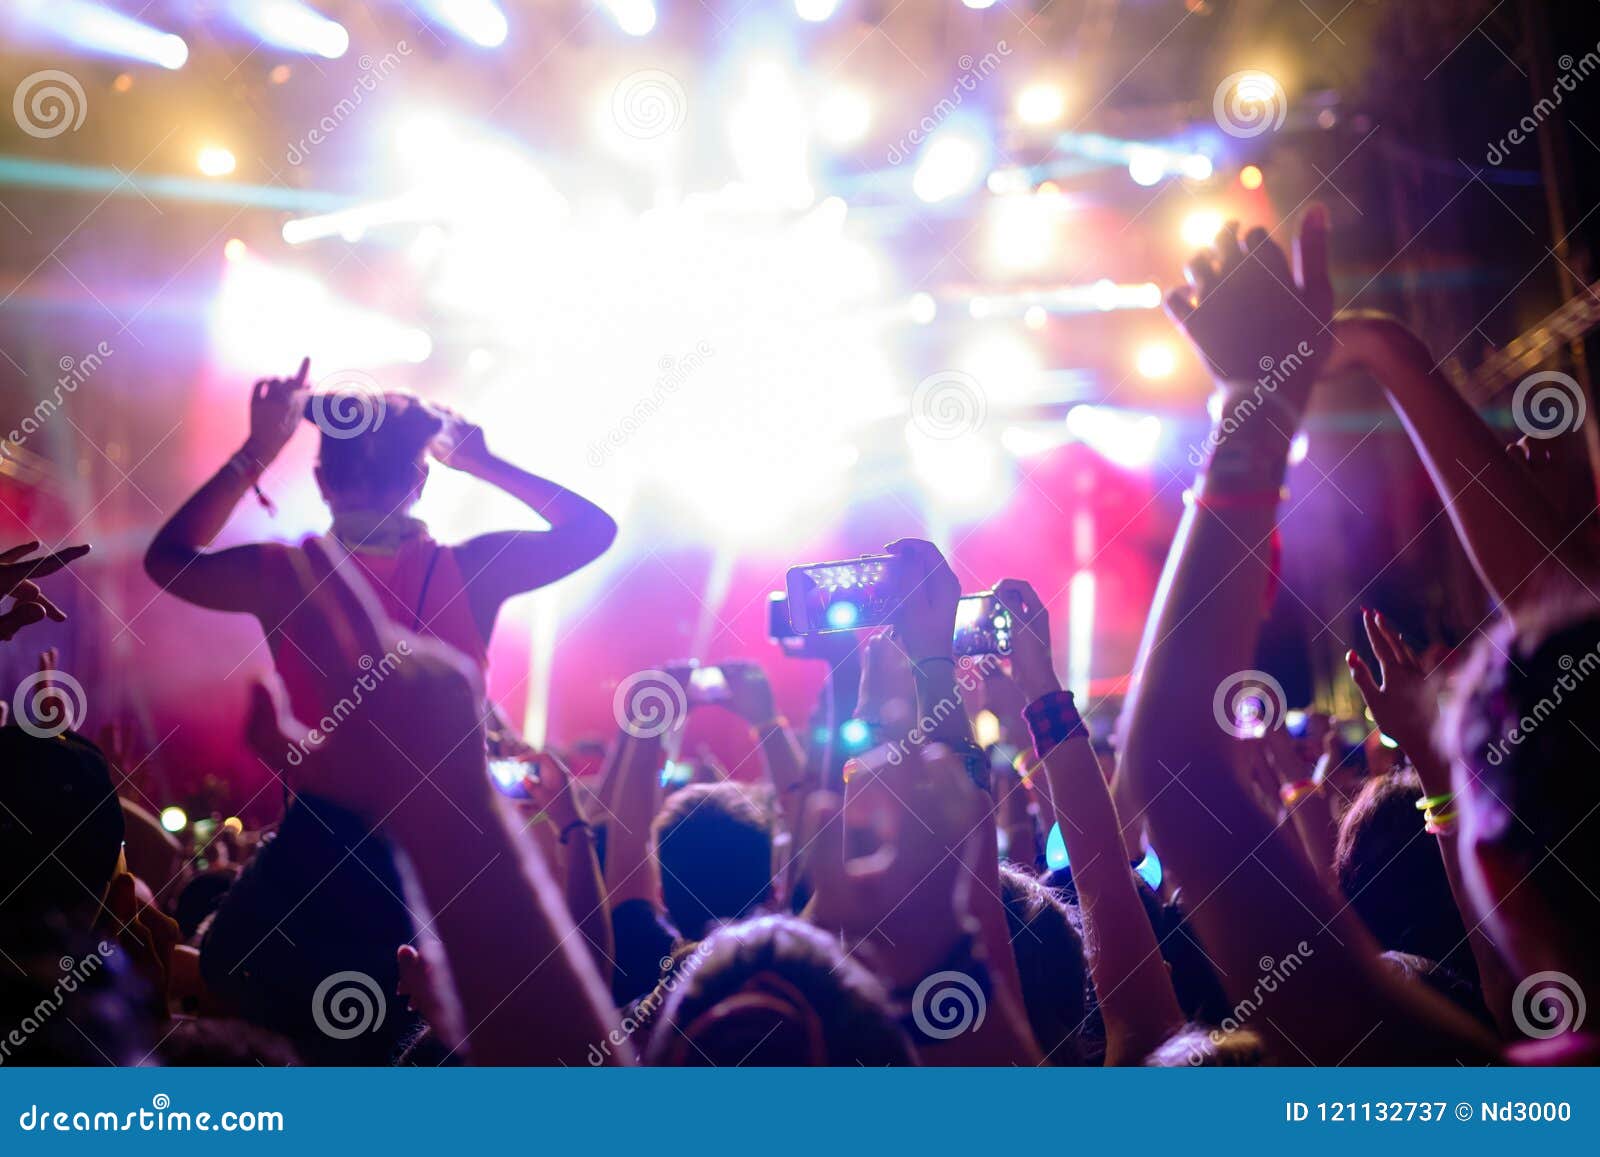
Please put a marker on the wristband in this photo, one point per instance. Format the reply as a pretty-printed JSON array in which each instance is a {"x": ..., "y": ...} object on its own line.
[
  {"x": 574, "y": 826},
  {"x": 1292, "y": 793},
  {"x": 1053, "y": 719},
  {"x": 244, "y": 466}
]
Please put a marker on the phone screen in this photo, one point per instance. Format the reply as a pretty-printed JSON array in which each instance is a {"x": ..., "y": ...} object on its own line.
[
  {"x": 708, "y": 685},
  {"x": 842, "y": 596},
  {"x": 983, "y": 626},
  {"x": 508, "y": 776}
]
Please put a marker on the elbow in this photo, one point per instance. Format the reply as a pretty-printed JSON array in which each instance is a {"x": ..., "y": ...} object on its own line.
[{"x": 599, "y": 537}]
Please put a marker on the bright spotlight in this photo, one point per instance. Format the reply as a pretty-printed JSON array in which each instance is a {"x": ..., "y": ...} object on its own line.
[
  {"x": 174, "y": 819},
  {"x": 1156, "y": 360},
  {"x": 1146, "y": 167},
  {"x": 293, "y": 25},
  {"x": 1041, "y": 104},
  {"x": 1200, "y": 228},
  {"x": 979, "y": 5},
  {"x": 634, "y": 17},
  {"x": 815, "y": 11},
  {"x": 235, "y": 249},
  {"x": 1023, "y": 232},
  {"x": 1197, "y": 167},
  {"x": 215, "y": 161},
  {"x": 1121, "y": 438},
  {"x": 100, "y": 31},
  {"x": 843, "y": 117},
  {"x": 922, "y": 308},
  {"x": 951, "y": 165},
  {"x": 856, "y": 733},
  {"x": 1251, "y": 177},
  {"x": 480, "y": 21}
]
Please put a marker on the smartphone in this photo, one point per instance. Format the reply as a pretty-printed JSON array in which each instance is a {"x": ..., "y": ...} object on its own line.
[
  {"x": 850, "y": 595},
  {"x": 707, "y": 685},
  {"x": 508, "y": 776},
  {"x": 778, "y": 628},
  {"x": 677, "y": 774},
  {"x": 983, "y": 626}
]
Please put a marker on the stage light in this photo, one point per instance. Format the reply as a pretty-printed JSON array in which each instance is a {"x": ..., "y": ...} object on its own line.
[
  {"x": 292, "y": 25},
  {"x": 233, "y": 824},
  {"x": 922, "y": 308},
  {"x": 1005, "y": 364},
  {"x": 1023, "y": 232},
  {"x": 480, "y": 21},
  {"x": 1041, "y": 104},
  {"x": 1251, "y": 177},
  {"x": 235, "y": 250},
  {"x": 1035, "y": 317},
  {"x": 1033, "y": 440},
  {"x": 635, "y": 17},
  {"x": 1124, "y": 439},
  {"x": 843, "y": 117},
  {"x": 986, "y": 728},
  {"x": 174, "y": 819},
  {"x": 280, "y": 74},
  {"x": 123, "y": 83},
  {"x": 215, "y": 161},
  {"x": 1146, "y": 167},
  {"x": 1200, "y": 228},
  {"x": 1197, "y": 167},
  {"x": 1080, "y": 632},
  {"x": 979, "y": 5},
  {"x": 99, "y": 30},
  {"x": 1055, "y": 849},
  {"x": 964, "y": 475},
  {"x": 1299, "y": 448},
  {"x": 1156, "y": 360},
  {"x": 815, "y": 11},
  {"x": 951, "y": 165},
  {"x": 768, "y": 134},
  {"x": 855, "y": 733}
]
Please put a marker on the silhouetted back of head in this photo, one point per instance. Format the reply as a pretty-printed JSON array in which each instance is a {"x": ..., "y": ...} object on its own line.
[
  {"x": 1050, "y": 961},
  {"x": 777, "y": 991},
  {"x": 714, "y": 842},
  {"x": 60, "y": 824},
  {"x": 373, "y": 444}
]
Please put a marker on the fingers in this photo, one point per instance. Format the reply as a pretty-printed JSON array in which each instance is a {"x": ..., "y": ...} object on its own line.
[
  {"x": 17, "y": 552},
  {"x": 1201, "y": 272},
  {"x": 20, "y": 616},
  {"x": 1362, "y": 674},
  {"x": 46, "y": 564},
  {"x": 822, "y": 831},
  {"x": 1387, "y": 659},
  {"x": 1229, "y": 249},
  {"x": 29, "y": 592},
  {"x": 1311, "y": 260},
  {"x": 300, "y": 377},
  {"x": 1180, "y": 304},
  {"x": 1258, "y": 243}
]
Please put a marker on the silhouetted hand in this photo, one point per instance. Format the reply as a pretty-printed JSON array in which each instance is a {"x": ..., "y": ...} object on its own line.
[
  {"x": 29, "y": 604},
  {"x": 276, "y": 405}
]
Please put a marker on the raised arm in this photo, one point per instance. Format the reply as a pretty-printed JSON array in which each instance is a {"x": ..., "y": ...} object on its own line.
[
  {"x": 1256, "y": 898},
  {"x": 1518, "y": 543},
  {"x": 553, "y": 792},
  {"x": 1125, "y": 963},
  {"x": 235, "y": 579},
  {"x": 511, "y": 562}
]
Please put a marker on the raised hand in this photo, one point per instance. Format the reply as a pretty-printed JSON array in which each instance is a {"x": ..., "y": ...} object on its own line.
[
  {"x": 1031, "y": 664},
  {"x": 925, "y": 620},
  {"x": 461, "y": 444},
  {"x": 1249, "y": 315},
  {"x": 1400, "y": 699},
  {"x": 749, "y": 693},
  {"x": 29, "y": 603},
  {"x": 553, "y": 792},
  {"x": 275, "y": 409}
]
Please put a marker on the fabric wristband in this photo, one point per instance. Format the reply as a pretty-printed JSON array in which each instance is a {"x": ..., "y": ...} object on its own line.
[{"x": 1053, "y": 719}]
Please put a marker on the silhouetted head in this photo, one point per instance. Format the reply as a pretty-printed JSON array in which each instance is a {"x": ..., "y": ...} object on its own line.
[
  {"x": 373, "y": 455},
  {"x": 714, "y": 842}
]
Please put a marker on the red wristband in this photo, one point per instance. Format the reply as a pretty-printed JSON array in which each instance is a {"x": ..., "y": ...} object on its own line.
[{"x": 1053, "y": 719}]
